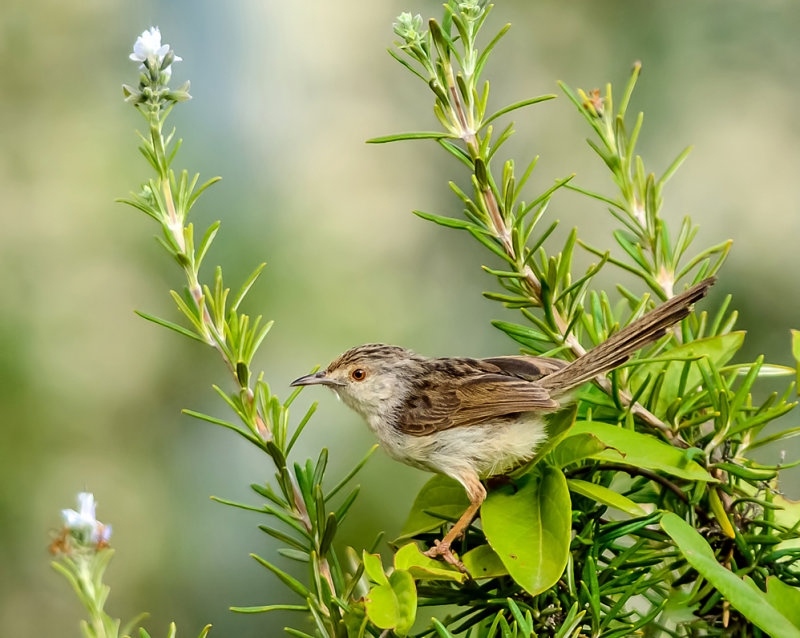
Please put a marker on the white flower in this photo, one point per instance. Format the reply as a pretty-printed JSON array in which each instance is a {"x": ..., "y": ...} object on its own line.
[
  {"x": 84, "y": 522},
  {"x": 148, "y": 46}
]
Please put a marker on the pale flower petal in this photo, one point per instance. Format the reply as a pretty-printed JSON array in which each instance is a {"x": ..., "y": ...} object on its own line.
[
  {"x": 87, "y": 505},
  {"x": 101, "y": 533},
  {"x": 148, "y": 47},
  {"x": 149, "y": 44},
  {"x": 71, "y": 518},
  {"x": 83, "y": 523}
]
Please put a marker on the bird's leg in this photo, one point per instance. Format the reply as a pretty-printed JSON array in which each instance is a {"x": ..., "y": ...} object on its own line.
[{"x": 477, "y": 494}]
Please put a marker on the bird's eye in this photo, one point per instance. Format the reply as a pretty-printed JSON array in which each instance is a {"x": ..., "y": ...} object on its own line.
[{"x": 358, "y": 374}]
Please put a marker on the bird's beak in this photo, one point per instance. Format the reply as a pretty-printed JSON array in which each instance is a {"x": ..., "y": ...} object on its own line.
[{"x": 318, "y": 378}]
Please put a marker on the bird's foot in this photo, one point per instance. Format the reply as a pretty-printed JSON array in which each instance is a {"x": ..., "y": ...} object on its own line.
[{"x": 441, "y": 549}]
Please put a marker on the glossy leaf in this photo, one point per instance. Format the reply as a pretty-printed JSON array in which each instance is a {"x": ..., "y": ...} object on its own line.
[
  {"x": 785, "y": 598},
  {"x": 642, "y": 450},
  {"x": 393, "y": 605},
  {"x": 374, "y": 568},
  {"x": 406, "y": 593},
  {"x": 483, "y": 562},
  {"x": 440, "y": 495},
  {"x": 606, "y": 496},
  {"x": 528, "y": 526},
  {"x": 796, "y": 353},
  {"x": 789, "y": 512},
  {"x": 410, "y": 559},
  {"x": 576, "y": 448},
  {"x": 753, "y": 605}
]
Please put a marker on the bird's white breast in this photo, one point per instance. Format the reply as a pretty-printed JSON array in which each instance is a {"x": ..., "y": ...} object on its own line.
[{"x": 486, "y": 449}]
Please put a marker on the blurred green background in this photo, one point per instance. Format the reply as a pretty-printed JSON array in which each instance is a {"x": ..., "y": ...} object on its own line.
[{"x": 285, "y": 95}]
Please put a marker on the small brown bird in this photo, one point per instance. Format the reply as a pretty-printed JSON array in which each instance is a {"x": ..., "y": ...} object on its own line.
[{"x": 475, "y": 418}]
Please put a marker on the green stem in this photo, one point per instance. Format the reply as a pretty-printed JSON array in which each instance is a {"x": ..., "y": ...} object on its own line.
[
  {"x": 535, "y": 288},
  {"x": 175, "y": 225},
  {"x": 98, "y": 619}
]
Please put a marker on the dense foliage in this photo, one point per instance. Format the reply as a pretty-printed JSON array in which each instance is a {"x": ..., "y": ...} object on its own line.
[{"x": 644, "y": 512}]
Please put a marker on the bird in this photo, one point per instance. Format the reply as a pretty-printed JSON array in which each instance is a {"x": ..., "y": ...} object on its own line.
[{"x": 471, "y": 419}]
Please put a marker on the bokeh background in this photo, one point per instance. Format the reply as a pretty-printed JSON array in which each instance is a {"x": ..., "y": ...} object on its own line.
[{"x": 285, "y": 95}]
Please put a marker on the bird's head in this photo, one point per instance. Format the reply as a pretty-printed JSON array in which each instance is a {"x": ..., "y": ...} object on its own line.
[{"x": 368, "y": 378}]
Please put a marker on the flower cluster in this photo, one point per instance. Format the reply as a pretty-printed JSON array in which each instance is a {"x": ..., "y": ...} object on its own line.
[
  {"x": 409, "y": 28},
  {"x": 471, "y": 9},
  {"x": 156, "y": 66},
  {"x": 152, "y": 54},
  {"x": 81, "y": 529}
]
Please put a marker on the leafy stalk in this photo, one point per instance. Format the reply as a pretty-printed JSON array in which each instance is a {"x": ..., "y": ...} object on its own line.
[{"x": 296, "y": 511}]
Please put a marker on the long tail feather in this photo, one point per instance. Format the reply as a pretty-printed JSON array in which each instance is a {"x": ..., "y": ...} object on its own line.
[{"x": 615, "y": 350}]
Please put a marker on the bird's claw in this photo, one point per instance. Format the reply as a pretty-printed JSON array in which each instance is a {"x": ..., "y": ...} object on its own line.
[{"x": 442, "y": 550}]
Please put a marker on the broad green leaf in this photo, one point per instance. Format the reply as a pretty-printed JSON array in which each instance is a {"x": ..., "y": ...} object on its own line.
[
  {"x": 440, "y": 495},
  {"x": 718, "y": 349},
  {"x": 410, "y": 559},
  {"x": 374, "y": 568},
  {"x": 606, "y": 496},
  {"x": 528, "y": 526},
  {"x": 641, "y": 450},
  {"x": 785, "y": 598},
  {"x": 576, "y": 448},
  {"x": 393, "y": 605},
  {"x": 754, "y": 605},
  {"x": 406, "y": 594},
  {"x": 483, "y": 562},
  {"x": 381, "y": 606},
  {"x": 790, "y": 512},
  {"x": 796, "y": 353}
]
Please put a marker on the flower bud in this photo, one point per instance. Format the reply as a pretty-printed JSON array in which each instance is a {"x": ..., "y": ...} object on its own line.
[
  {"x": 471, "y": 9},
  {"x": 409, "y": 28}
]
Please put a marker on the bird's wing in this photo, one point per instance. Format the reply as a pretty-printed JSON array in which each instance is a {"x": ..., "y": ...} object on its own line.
[
  {"x": 471, "y": 400},
  {"x": 528, "y": 368}
]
